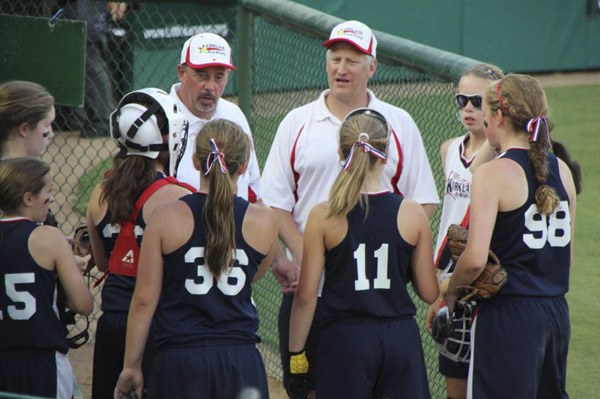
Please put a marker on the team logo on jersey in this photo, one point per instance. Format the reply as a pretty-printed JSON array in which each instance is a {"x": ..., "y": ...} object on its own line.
[
  {"x": 457, "y": 187},
  {"x": 128, "y": 259}
]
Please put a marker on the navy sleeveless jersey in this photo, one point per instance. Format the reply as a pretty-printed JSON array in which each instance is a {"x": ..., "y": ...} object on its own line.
[
  {"x": 28, "y": 312},
  {"x": 118, "y": 290},
  {"x": 366, "y": 274},
  {"x": 195, "y": 308},
  {"x": 535, "y": 249}
]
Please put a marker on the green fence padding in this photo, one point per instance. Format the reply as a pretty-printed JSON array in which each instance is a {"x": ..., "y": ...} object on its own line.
[{"x": 51, "y": 55}]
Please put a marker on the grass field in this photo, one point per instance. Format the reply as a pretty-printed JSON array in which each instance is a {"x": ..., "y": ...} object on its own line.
[{"x": 576, "y": 115}]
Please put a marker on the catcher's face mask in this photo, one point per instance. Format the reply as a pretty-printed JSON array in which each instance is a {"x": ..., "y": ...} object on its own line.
[
  {"x": 457, "y": 347},
  {"x": 135, "y": 127}
]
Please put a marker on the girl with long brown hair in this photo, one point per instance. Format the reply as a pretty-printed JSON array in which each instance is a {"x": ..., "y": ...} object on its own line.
[{"x": 201, "y": 255}]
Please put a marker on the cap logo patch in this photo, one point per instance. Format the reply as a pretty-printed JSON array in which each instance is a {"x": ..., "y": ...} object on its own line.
[
  {"x": 351, "y": 32},
  {"x": 212, "y": 48}
]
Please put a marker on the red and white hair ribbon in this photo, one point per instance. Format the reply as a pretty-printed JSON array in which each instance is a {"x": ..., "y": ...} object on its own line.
[
  {"x": 533, "y": 127},
  {"x": 215, "y": 156},
  {"x": 365, "y": 147}
]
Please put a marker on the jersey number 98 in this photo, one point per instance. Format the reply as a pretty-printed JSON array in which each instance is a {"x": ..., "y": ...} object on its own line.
[{"x": 554, "y": 229}]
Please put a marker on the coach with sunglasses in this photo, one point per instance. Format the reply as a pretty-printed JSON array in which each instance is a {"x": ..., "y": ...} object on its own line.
[{"x": 303, "y": 161}]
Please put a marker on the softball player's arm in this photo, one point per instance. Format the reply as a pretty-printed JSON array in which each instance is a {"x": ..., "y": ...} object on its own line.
[
  {"x": 144, "y": 302},
  {"x": 413, "y": 226},
  {"x": 278, "y": 192},
  {"x": 94, "y": 215},
  {"x": 489, "y": 181},
  {"x": 567, "y": 180},
  {"x": 51, "y": 250},
  {"x": 442, "y": 283},
  {"x": 260, "y": 232},
  {"x": 313, "y": 263}
]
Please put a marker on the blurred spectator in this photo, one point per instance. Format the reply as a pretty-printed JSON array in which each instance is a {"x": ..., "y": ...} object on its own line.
[{"x": 99, "y": 101}]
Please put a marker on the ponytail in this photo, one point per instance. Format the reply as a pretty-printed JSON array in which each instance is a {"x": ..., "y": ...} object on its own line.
[
  {"x": 221, "y": 149},
  {"x": 546, "y": 197}
]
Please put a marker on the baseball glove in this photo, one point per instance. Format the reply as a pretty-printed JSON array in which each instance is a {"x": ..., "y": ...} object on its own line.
[
  {"x": 81, "y": 244},
  {"x": 493, "y": 276}
]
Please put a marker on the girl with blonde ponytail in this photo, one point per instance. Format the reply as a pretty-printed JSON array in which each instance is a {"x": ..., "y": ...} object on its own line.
[
  {"x": 201, "y": 255},
  {"x": 523, "y": 208},
  {"x": 369, "y": 243}
]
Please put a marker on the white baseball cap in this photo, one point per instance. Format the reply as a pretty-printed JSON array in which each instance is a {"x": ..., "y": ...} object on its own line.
[
  {"x": 355, "y": 33},
  {"x": 205, "y": 50}
]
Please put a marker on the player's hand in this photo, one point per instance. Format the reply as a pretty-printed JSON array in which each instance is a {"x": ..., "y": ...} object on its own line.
[
  {"x": 83, "y": 262},
  {"x": 442, "y": 325},
  {"x": 431, "y": 313},
  {"x": 299, "y": 384},
  {"x": 286, "y": 272},
  {"x": 130, "y": 379}
]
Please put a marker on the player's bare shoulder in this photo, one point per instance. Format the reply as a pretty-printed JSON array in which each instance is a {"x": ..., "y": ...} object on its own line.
[
  {"x": 412, "y": 220},
  {"x": 259, "y": 227}
]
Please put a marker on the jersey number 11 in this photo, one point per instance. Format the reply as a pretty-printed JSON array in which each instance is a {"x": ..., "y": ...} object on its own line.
[{"x": 381, "y": 281}]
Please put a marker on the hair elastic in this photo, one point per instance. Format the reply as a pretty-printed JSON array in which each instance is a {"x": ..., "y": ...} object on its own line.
[
  {"x": 364, "y": 137},
  {"x": 215, "y": 156}
]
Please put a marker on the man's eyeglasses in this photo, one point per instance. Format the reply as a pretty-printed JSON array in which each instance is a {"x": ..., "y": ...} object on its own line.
[{"x": 462, "y": 100}]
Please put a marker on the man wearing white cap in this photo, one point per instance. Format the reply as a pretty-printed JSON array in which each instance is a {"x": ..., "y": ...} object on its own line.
[
  {"x": 203, "y": 75},
  {"x": 303, "y": 162}
]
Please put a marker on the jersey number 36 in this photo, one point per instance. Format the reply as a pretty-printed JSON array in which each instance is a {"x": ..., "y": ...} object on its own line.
[{"x": 230, "y": 282}]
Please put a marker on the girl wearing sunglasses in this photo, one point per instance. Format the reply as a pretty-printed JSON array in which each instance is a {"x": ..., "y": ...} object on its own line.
[{"x": 458, "y": 155}]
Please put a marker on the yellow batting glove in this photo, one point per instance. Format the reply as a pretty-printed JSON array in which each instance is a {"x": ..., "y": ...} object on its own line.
[{"x": 298, "y": 363}]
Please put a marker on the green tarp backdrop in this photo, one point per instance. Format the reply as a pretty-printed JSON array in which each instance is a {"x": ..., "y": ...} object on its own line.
[{"x": 31, "y": 48}]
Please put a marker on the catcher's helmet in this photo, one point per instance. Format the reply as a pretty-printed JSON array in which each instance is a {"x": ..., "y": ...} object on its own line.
[
  {"x": 455, "y": 330},
  {"x": 136, "y": 129}
]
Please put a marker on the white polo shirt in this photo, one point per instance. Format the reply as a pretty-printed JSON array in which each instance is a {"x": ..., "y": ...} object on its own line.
[
  {"x": 249, "y": 186},
  {"x": 303, "y": 162}
]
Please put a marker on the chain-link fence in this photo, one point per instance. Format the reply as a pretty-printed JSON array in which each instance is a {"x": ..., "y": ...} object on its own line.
[{"x": 286, "y": 70}]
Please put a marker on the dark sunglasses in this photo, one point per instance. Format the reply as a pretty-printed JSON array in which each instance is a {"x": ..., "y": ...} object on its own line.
[{"x": 462, "y": 100}]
